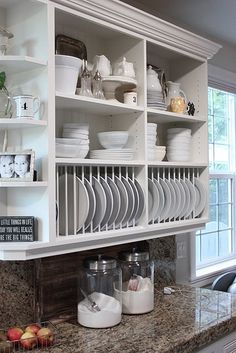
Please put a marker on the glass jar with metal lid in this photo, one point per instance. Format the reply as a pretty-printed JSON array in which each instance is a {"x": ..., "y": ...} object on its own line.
[
  {"x": 138, "y": 282},
  {"x": 99, "y": 292}
]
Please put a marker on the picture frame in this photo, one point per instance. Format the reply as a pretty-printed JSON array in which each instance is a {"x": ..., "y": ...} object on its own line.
[{"x": 17, "y": 166}]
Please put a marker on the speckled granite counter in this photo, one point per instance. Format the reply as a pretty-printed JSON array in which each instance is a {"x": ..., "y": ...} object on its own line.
[{"x": 181, "y": 323}]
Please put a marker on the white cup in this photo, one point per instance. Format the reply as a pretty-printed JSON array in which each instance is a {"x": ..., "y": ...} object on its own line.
[
  {"x": 26, "y": 106},
  {"x": 130, "y": 98}
]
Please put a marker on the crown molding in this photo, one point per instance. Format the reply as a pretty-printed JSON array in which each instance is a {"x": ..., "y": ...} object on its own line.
[
  {"x": 153, "y": 28},
  {"x": 222, "y": 79}
]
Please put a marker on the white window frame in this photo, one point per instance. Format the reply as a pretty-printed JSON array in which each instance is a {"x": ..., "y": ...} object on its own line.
[{"x": 226, "y": 81}]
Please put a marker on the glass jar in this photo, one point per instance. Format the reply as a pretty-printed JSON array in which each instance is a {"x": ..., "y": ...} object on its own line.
[
  {"x": 99, "y": 292},
  {"x": 138, "y": 282}
]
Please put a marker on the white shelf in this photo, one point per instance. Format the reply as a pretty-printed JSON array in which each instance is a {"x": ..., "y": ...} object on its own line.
[
  {"x": 20, "y": 123},
  {"x": 92, "y": 105},
  {"x": 177, "y": 164},
  {"x": 70, "y": 161},
  {"x": 70, "y": 244},
  {"x": 19, "y": 184},
  {"x": 164, "y": 116},
  {"x": 15, "y": 63}
]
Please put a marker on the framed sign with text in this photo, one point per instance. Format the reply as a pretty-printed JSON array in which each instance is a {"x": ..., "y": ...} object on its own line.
[{"x": 18, "y": 228}]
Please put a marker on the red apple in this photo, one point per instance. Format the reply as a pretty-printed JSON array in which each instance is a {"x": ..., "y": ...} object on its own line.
[
  {"x": 28, "y": 340},
  {"x": 14, "y": 333},
  {"x": 34, "y": 328},
  {"x": 45, "y": 337}
]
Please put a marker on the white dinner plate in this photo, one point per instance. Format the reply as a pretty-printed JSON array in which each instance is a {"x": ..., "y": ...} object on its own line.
[
  {"x": 153, "y": 201},
  {"x": 181, "y": 196},
  {"x": 92, "y": 203},
  {"x": 161, "y": 197},
  {"x": 131, "y": 200},
  {"x": 101, "y": 202},
  {"x": 186, "y": 199},
  {"x": 172, "y": 209},
  {"x": 77, "y": 204},
  {"x": 192, "y": 197},
  {"x": 141, "y": 197},
  {"x": 109, "y": 199},
  {"x": 178, "y": 201},
  {"x": 123, "y": 201},
  {"x": 136, "y": 201},
  {"x": 116, "y": 202},
  {"x": 167, "y": 196},
  {"x": 202, "y": 199}
]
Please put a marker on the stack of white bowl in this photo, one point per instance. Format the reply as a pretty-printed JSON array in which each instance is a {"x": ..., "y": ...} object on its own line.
[
  {"x": 67, "y": 73},
  {"x": 179, "y": 144},
  {"x": 155, "y": 152},
  {"x": 74, "y": 142},
  {"x": 113, "y": 143}
]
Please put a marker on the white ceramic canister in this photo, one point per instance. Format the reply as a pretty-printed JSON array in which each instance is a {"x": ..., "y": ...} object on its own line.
[
  {"x": 130, "y": 98},
  {"x": 26, "y": 106}
]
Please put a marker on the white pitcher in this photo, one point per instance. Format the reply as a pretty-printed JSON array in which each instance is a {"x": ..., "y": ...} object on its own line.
[
  {"x": 173, "y": 90},
  {"x": 102, "y": 65}
]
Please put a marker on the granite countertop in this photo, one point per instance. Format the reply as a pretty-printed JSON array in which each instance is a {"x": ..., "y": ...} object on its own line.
[{"x": 182, "y": 322}]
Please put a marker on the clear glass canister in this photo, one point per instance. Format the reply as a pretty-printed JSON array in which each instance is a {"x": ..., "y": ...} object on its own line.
[
  {"x": 138, "y": 282},
  {"x": 99, "y": 292}
]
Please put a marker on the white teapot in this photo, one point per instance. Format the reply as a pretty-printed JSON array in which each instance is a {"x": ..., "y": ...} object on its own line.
[
  {"x": 124, "y": 68},
  {"x": 102, "y": 65},
  {"x": 153, "y": 83}
]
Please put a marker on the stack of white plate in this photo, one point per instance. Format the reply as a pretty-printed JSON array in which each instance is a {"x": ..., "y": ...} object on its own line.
[
  {"x": 155, "y": 100},
  {"x": 118, "y": 153},
  {"x": 74, "y": 142},
  {"x": 179, "y": 144},
  {"x": 154, "y": 152}
]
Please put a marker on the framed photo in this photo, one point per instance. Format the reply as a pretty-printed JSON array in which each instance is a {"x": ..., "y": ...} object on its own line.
[{"x": 17, "y": 166}]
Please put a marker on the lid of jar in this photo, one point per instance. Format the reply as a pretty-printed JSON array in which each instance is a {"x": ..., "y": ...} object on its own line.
[
  {"x": 134, "y": 255},
  {"x": 100, "y": 263}
]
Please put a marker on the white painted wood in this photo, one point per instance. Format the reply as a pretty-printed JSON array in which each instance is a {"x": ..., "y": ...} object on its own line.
[{"x": 116, "y": 30}]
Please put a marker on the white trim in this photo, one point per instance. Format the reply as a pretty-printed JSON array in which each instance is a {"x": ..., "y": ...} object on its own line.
[
  {"x": 118, "y": 13},
  {"x": 221, "y": 79}
]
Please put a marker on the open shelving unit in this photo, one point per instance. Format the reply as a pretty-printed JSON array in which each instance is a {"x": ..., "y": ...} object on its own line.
[{"x": 125, "y": 32}]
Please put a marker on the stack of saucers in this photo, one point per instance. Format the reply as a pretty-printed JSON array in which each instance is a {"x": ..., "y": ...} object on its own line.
[
  {"x": 74, "y": 142},
  {"x": 155, "y": 100},
  {"x": 179, "y": 144},
  {"x": 154, "y": 152}
]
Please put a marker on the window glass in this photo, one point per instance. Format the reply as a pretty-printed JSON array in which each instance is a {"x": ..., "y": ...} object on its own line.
[{"x": 215, "y": 243}]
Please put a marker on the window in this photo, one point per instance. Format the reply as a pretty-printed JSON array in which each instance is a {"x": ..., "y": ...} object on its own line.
[{"x": 216, "y": 242}]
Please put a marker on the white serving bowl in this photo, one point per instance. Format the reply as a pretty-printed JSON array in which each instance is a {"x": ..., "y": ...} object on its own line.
[
  {"x": 179, "y": 132},
  {"x": 71, "y": 151},
  {"x": 177, "y": 157},
  {"x": 113, "y": 139},
  {"x": 68, "y": 60},
  {"x": 75, "y": 131},
  {"x": 71, "y": 135}
]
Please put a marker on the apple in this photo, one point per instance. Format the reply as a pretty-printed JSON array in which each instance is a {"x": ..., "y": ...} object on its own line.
[
  {"x": 34, "y": 328},
  {"x": 14, "y": 333},
  {"x": 45, "y": 337},
  {"x": 28, "y": 340}
]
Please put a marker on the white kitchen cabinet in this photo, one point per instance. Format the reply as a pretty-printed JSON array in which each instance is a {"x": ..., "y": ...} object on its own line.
[{"x": 115, "y": 30}]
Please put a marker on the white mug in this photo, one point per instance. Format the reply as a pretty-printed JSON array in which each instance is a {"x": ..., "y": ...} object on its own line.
[
  {"x": 130, "y": 98},
  {"x": 26, "y": 106}
]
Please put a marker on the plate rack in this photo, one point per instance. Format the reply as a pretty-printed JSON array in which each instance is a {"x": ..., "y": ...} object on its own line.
[{"x": 98, "y": 198}]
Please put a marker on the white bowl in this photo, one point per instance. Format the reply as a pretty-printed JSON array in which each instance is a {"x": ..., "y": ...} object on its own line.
[
  {"x": 113, "y": 139},
  {"x": 71, "y": 135},
  {"x": 68, "y": 60},
  {"x": 81, "y": 126},
  {"x": 178, "y": 157},
  {"x": 71, "y": 151}
]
